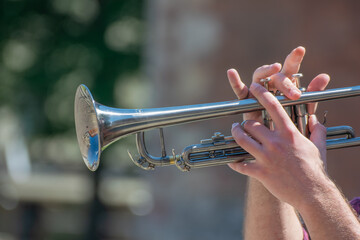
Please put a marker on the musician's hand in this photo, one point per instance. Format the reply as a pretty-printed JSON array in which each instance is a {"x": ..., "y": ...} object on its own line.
[
  {"x": 288, "y": 164},
  {"x": 281, "y": 79}
]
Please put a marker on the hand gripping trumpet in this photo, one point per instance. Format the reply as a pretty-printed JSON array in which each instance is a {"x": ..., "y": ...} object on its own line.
[{"x": 97, "y": 126}]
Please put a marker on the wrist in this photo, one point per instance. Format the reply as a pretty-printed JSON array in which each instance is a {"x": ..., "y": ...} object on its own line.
[{"x": 317, "y": 195}]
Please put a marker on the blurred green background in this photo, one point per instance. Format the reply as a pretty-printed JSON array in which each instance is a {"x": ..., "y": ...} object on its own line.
[{"x": 48, "y": 48}]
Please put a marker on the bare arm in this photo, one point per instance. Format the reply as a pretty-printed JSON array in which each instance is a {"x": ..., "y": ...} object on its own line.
[
  {"x": 266, "y": 216},
  {"x": 291, "y": 167},
  {"x": 327, "y": 214}
]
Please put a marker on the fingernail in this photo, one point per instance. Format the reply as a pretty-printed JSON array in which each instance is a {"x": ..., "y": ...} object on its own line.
[
  {"x": 314, "y": 118},
  {"x": 301, "y": 47},
  {"x": 234, "y": 125},
  {"x": 243, "y": 124},
  {"x": 230, "y": 70}
]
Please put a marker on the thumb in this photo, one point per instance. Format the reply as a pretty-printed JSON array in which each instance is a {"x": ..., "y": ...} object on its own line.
[{"x": 318, "y": 134}]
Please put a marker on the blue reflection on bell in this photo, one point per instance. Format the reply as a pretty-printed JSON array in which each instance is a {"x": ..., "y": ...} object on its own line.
[{"x": 93, "y": 152}]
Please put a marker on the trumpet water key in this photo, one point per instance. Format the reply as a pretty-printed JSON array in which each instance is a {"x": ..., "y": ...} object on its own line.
[{"x": 97, "y": 126}]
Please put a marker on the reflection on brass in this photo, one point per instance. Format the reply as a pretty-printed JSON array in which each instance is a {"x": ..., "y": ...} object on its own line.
[
  {"x": 93, "y": 132},
  {"x": 108, "y": 124}
]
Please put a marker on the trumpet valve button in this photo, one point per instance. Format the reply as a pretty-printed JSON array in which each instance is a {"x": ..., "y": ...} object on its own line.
[
  {"x": 266, "y": 81},
  {"x": 297, "y": 75},
  {"x": 296, "y": 79},
  {"x": 218, "y": 138}
]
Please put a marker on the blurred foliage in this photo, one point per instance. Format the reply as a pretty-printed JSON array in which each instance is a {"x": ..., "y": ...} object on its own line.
[{"x": 49, "y": 47}]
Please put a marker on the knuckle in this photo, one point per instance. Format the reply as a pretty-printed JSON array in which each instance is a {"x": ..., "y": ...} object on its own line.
[
  {"x": 292, "y": 139},
  {"x": 290, "y": 132},
  {"x": 275, "y": 145},
  {"x": 259, "y": 72},
  {"x": 255, "y": 89}
]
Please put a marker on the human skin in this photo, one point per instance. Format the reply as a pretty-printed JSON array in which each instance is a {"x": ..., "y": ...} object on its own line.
[
  {"x": 291, "y": 168},
  {"x": 266, "y": 216}
]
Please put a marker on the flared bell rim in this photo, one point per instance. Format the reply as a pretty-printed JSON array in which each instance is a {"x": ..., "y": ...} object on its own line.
[{"x": 87, "y": 127}]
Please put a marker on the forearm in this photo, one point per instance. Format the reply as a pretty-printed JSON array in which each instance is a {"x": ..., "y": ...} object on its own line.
[
  {"x": 267, "y": 217},
  {"x": 328, "y": 215}
]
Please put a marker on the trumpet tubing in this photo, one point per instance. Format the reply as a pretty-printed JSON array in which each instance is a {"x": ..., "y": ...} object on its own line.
[{"x": 97, "y": 126}]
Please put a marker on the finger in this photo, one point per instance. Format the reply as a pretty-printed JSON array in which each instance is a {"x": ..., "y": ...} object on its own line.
[
  {"x": 237, "y": 85},
  {"x": 247, "y": 168},
  {"x": 293, "y": 61},
  {"x": 319, "y": 83},
  {"x": 273, "y": 107},
  {"x": 245, "y": 141},
  {"x": 318, "y": 137},
  {"x": 261, "y": 73},
  {"x": 242, "y": 92},
  {"x": 285, "y": 85},
  {"x": 258, "y": 131},
  {"x": 266, "y": 71},
  {"x": 318, "y": 133}
]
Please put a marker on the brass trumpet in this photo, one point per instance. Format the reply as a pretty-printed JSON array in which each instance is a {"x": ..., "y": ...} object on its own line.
[{"x": 97, "y": 126}]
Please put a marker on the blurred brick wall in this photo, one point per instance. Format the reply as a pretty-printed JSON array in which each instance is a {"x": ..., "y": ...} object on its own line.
[{"x": 190, "y": 46}]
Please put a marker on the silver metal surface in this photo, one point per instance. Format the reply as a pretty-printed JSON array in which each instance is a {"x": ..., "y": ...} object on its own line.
[
  {"x": 87, "y": 127},
  {"x": 301, "y": 117},
  {"x": 97, "y": 126},
  {"x": 265, "y": 115},
  {"x": 219, "y": 151}
]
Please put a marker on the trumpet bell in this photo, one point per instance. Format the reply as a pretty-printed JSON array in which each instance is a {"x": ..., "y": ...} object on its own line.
[{"x": 87, "y": 127}]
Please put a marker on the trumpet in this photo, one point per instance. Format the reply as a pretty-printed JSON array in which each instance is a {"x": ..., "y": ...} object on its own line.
[{"x": 98, "y": 126}]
